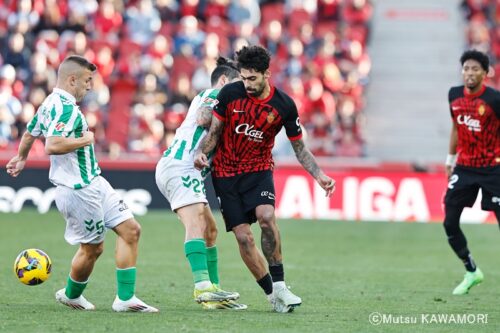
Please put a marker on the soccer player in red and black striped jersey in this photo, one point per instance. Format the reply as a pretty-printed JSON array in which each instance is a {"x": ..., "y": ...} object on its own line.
[
  {"x": 473, "y": 160},
  {"x": 247, "y": 117}
]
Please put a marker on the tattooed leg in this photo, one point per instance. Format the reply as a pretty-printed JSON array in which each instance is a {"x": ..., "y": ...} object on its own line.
[{"x": 270, "y": 236}]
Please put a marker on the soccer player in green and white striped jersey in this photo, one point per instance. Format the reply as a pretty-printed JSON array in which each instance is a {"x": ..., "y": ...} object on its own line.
[
  {"x": 183, "y": 187},
  {"x": 87, "y": 201}
]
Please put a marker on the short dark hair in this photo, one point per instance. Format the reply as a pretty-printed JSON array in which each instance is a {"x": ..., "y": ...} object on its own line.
[
  {"x": 479, "y": 56},
  {"x": 81, "y": 61},
  {"x": 253, "y": 57},
  {"x": 225, "y": 67}
]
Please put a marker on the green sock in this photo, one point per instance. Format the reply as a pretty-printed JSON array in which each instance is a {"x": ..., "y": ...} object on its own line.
[
  {"x": 74, "y": 288},
  {"x": 126, "y": 282},
  {"x": 213, "y": 268},
  {"x": 196, "y": 253}
]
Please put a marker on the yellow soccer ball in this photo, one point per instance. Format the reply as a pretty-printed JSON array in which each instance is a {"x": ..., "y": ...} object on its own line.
[{"x": 32, "y": 267}]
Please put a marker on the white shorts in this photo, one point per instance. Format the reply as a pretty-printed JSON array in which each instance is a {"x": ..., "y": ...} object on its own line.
[
  {"x": 90, "y": 211},
  {"x": 180, "y": 183}
]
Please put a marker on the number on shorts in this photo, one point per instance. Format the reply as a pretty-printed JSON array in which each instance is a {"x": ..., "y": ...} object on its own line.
[
  {"x": 196, "y": 185},
  {"x": 453, "y": 179},
  {"x": 99, "y": 227}
]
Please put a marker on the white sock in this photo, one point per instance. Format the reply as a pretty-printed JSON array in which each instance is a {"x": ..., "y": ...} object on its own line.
[
  {"x": 203, "y": 285},
  {"x": 279, "y": 285}
]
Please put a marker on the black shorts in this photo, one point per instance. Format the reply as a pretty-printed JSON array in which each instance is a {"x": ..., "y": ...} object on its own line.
[
  {"x": 464, "y": 184},
  {"x": 239, "y": 196}
]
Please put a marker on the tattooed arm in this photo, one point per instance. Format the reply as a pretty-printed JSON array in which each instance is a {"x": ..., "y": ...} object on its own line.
[
  {"x": 208, "y": 143},
  {"x": 204, "y": 116},
  {"x": 306, "y": 158}
]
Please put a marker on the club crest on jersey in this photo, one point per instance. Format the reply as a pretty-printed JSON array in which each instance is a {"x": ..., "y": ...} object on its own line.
[
  {"x": 270, "y": 117},
  {"x": 481, "y": 109},
  {"x": 59, "y": 126}
]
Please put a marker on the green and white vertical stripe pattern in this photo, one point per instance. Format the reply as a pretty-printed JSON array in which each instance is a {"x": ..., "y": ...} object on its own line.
[
  {"x": 60, "y": 116},
  {"x": 188, "y": 136}
]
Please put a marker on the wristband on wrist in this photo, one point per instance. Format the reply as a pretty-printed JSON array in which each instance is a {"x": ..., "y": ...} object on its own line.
[{"x": 451, "y": 159}]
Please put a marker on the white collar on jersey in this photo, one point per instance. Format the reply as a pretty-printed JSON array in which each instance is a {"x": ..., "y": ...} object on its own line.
[{"x": 65, "y": 94}]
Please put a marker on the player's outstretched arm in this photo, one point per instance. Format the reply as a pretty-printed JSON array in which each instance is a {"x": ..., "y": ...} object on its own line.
[
  {"x": 58, "y": 145},
  {"x": 17, "y": 163},
  {"x": 208, "y": 143},
  {"x": 306, "y": 158}
]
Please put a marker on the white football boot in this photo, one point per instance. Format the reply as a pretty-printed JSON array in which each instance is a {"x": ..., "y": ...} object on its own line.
[
  {"x": 132, "y": 305},
  {"x": 283, "y": 295},
  {"x": 79, "y": 303}
]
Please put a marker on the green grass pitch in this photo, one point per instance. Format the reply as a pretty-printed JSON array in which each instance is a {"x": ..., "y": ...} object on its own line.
[{"x": 342, "y": 270}]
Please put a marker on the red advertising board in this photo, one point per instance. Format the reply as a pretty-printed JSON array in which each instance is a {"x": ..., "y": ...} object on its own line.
[
  {"x": 368, "y": 196},
  {"x": 363, "y": 193}
]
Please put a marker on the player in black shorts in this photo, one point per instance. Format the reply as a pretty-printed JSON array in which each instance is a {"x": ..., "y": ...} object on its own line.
[
  {"x": 247, "y": 117},
  {"x": 473, "y": 161}
]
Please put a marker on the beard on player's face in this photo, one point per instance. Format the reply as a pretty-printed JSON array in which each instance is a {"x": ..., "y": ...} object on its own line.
[{"x": 257, "y": 89}]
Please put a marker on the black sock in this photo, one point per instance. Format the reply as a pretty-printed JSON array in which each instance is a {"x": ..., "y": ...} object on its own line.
[
  {"x": 469, "y": 263},
  {"x": 266, "y": 283},
  {"x": 497, "y": 214},
  {"x": 456, "y": 237},
  {"x": 277, "y": 272}
]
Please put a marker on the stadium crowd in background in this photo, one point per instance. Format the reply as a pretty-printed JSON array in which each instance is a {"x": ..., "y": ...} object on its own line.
[
  {"x": 483, "y": 32},
  {"x": 153, "y": 56}
]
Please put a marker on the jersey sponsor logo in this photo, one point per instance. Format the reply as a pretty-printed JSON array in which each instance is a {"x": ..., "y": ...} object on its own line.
[
  {"x": 297, "y": 122},
  {"x": 238, "y": 111},
  {"x": 59, "y": 126},
  {"x": 267, "y": 194},
  {"x": 481, "y": 109},
  {"x": 209, "y": 100},
  {"x": 250, "y": 132},
  {"x": 472, "y": 124}
]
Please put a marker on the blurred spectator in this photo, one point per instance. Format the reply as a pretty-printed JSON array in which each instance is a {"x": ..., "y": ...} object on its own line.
[
  {"x": 189, "y": 34},
  {"x": 483, "y": 32},
  {"x": 107, "y": 22},
  {"x": 17, "y": 54},
  {"x": 143, "y": 21},
  {"x": 6, "y": 123},
  {"x": 318, "y": 101},
  {"x": 241, "y": 11},
  {"x": 153, "y": 56},
  {"x": 7, "y": 98},
  {"x": 25, "y": 13}
]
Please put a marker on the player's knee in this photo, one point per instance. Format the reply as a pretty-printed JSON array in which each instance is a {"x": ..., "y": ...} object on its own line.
[
  {"x": 245, "y": 238},
  {"x": 99, "y": 250},
  {"x": 265, "y": 217},
  {"x": 133, "y": 233},
  {"x": 452, "y": 221}
]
